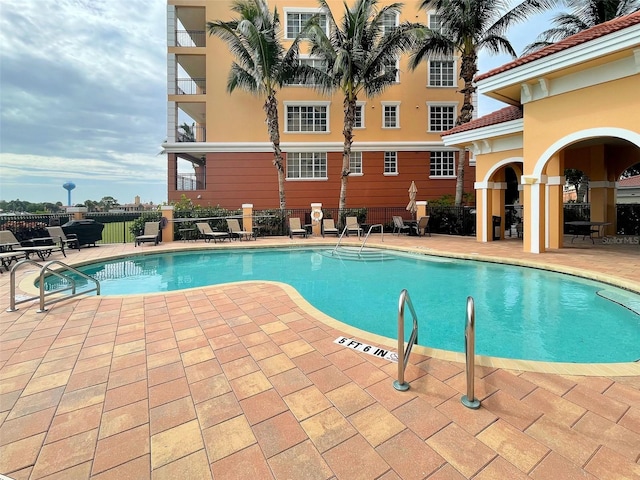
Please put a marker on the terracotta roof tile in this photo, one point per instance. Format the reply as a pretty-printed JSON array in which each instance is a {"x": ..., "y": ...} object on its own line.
[
  {"x": 499, "y": 116},
  {"x": 630, "y": 182},
  {"x": 592, "y": 33}
]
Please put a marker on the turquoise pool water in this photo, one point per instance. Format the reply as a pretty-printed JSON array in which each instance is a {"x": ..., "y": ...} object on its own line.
[{"x": 521, "y": 313}]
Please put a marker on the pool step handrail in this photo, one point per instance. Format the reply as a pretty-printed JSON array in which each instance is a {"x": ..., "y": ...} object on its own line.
[
  {"x": 403, "y": 355},
  {"x": 469, "y": 399},
  {"x": 344, "y": 232},
  {"x": 369, "y": 233},
  {"x": 44, "y": 270}
]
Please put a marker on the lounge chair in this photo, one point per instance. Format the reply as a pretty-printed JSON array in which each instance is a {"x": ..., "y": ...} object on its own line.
[
  {"x": 399, "y": 226},
  {"x": 236, "y": 230},
  {"x": 295, "y": 228},
  {"x": 422, "y": 228},
  {"x": 70, "y": 240},
  {"x": 208, "y": 234},
  {"x": 43, "y": 247},
  {"x": 151, "y": 233},
  {"x": 329, "y": 227},
  {"x": 7, "y": 257},
  {"x": 353, "y": 226}
]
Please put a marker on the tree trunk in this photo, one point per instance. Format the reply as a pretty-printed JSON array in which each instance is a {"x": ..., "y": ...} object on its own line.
[
  {"x": 468, "y": 70},
  {"x": 349, "y": 120},
  {"x": 271, "y": 110}
]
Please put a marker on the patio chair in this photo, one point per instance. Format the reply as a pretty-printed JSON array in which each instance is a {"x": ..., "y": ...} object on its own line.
[
  {"x": 236, "y": 230},
  {"x": 43, "y": 247},
  {"x": 70, "y": 240},
  {"x": 422, "y": 227},
  {"x": 208, "y": 233},
  {"x": 353, "y": 226},
  {"x": 7, "y": 257},
  {"x": 295, "y": 228},
  {"x": 329, "y": 227},
  {"x": 399, "y": 226},
  {"x": 151, "y": 233}
]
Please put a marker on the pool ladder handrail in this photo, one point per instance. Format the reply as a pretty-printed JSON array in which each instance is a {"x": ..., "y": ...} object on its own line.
[
  {"x": 344, "y": 231},
  {"x": 43, "y": 270},
  {"x": 469, "y": 399},
  {"x": 369, "y": 233},
  {"x": 403, "y": 355}
]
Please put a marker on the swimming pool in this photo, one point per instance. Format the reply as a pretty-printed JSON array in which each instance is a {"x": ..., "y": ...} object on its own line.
[{"x": 521, "y": 313}]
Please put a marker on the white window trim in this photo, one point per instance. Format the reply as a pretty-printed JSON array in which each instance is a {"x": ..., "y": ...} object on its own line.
[
  {"x": 363, "y": 106},
  {"x": 303, "y": 56},
  {"x": 391, "y": 104},
  {"x": 287, "y": 10},
  {"x": 361, "y": 174},
  {"x": 390, "y": 174},
  {"x": 443, "y": 177},
  {"x": 307, "y": 179},
  {"x": 455, "y": 71},
  {"x": 441, "y": 104},
  {"x": 326, "y": 104}
]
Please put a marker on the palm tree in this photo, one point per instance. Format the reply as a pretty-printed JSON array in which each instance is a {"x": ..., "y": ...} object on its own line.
[
  {"x": 358, "y": 55},
  {"x": 262, "y": 65},
  {"x": 584, "y": 14},
  {"x": 465, "y": 28}
]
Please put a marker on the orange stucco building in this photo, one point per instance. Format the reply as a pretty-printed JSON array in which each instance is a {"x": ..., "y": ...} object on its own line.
[
  {"x": 574, "y": 104},
  {"x": 226, "y": 158}
]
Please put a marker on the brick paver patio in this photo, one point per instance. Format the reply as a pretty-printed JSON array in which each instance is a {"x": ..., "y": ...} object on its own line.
[{"x": 244, "y": 381}]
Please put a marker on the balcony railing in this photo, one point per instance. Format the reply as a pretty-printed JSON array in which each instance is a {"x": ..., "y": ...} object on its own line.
[
  {"x": 190, "y": 38},
  {"x": 191, "y": 86},
  {"x": 190, "y": 182},
  {"x": 196, "y": 134}
]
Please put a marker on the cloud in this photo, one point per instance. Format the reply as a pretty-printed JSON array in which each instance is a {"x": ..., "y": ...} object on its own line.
[{"x": 83, "y": 87}]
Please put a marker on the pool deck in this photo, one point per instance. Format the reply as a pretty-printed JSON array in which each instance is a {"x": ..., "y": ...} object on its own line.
[{"x": 245, "y": 381}]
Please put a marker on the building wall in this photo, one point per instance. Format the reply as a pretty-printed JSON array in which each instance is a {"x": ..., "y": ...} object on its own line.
[{"x": 238, "y": 153}]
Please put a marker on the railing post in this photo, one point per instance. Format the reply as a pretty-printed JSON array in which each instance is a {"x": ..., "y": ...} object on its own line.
[
  {"x": 469, "y": 400},
  {"x": 403, "y": 357}
]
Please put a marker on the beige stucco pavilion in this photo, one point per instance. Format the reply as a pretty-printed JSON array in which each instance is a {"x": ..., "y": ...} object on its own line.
[{"x": 574, "y": 104}]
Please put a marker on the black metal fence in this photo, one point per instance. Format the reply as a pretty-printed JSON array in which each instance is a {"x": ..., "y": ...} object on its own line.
[{"x": 122, "y": 227}]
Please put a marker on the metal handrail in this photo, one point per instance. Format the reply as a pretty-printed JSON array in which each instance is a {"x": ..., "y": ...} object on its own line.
[
  {"x": 369, "y": 233},
  {"x": 403, "y": 356},
  {"x": 344, "y": 230},
  {"x": 42, "y": 294},
  {"x": 468, "y": 400}
]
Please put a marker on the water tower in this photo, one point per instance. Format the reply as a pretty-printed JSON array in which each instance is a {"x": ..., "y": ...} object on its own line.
[{"x": 68, "y": 187}]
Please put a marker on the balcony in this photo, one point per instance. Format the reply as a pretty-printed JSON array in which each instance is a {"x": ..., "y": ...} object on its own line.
[
  {"x": 190, "y": 38},
  {"x": 191, "y": 134},
  {"x": 191, "y": 86}
]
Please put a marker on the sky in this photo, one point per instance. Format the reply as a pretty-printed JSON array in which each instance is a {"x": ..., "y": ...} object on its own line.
[{"x": 83, "y": 98}]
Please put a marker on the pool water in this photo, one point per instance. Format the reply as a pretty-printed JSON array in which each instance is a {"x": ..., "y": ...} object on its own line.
[{"x": 520, "y": 313}]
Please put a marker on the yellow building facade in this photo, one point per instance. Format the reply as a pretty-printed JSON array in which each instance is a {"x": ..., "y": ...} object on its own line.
[
  {"x": 574, "y": 104},
  {"x": 226, "y": 157}
]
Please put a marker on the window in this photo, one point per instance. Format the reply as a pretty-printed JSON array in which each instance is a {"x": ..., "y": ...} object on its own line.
[
  {"x": 359, "y": 121},
  {"x": 296, "y": 19},
  {"x": 441, "y": 73},
  {"x": 442, "y": 164},
  {"x": 393, "y": 66},
  {"x": 312, "y": 62},
  {"x": 441, "y": 117},
  {"x": 389, "y": 22},
  {"x": 306, "y": 165},
  {"x": 355, "y": 163},
  {"x": 390, "y": 162},
  {"x": 435, "y": 22},
  {"x": 307, "y": 118},
  {"x": 390, "y": 115}
]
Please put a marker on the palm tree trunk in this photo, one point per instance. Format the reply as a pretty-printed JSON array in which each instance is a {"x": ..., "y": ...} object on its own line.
[
  {"x": 271, "y": 109},
  {"x": 468, "y": 70},
  {"x": 349, "y": 120}
]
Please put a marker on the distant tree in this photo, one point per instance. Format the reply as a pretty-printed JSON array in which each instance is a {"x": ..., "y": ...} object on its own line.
[
  {"x": 106, "y": 203},
  {"x": 583, "y": 14},
  {"x": 632, "y": 171},
  {"x": 92, "y": 206},
  {"x": 466, "y": 28},
  {"x": 579, "y": 181},
  {"x": 187, "y": 133}
]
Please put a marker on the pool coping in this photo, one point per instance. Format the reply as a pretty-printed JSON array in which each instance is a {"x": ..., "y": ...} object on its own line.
[{"x": 619, "y": 369}]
